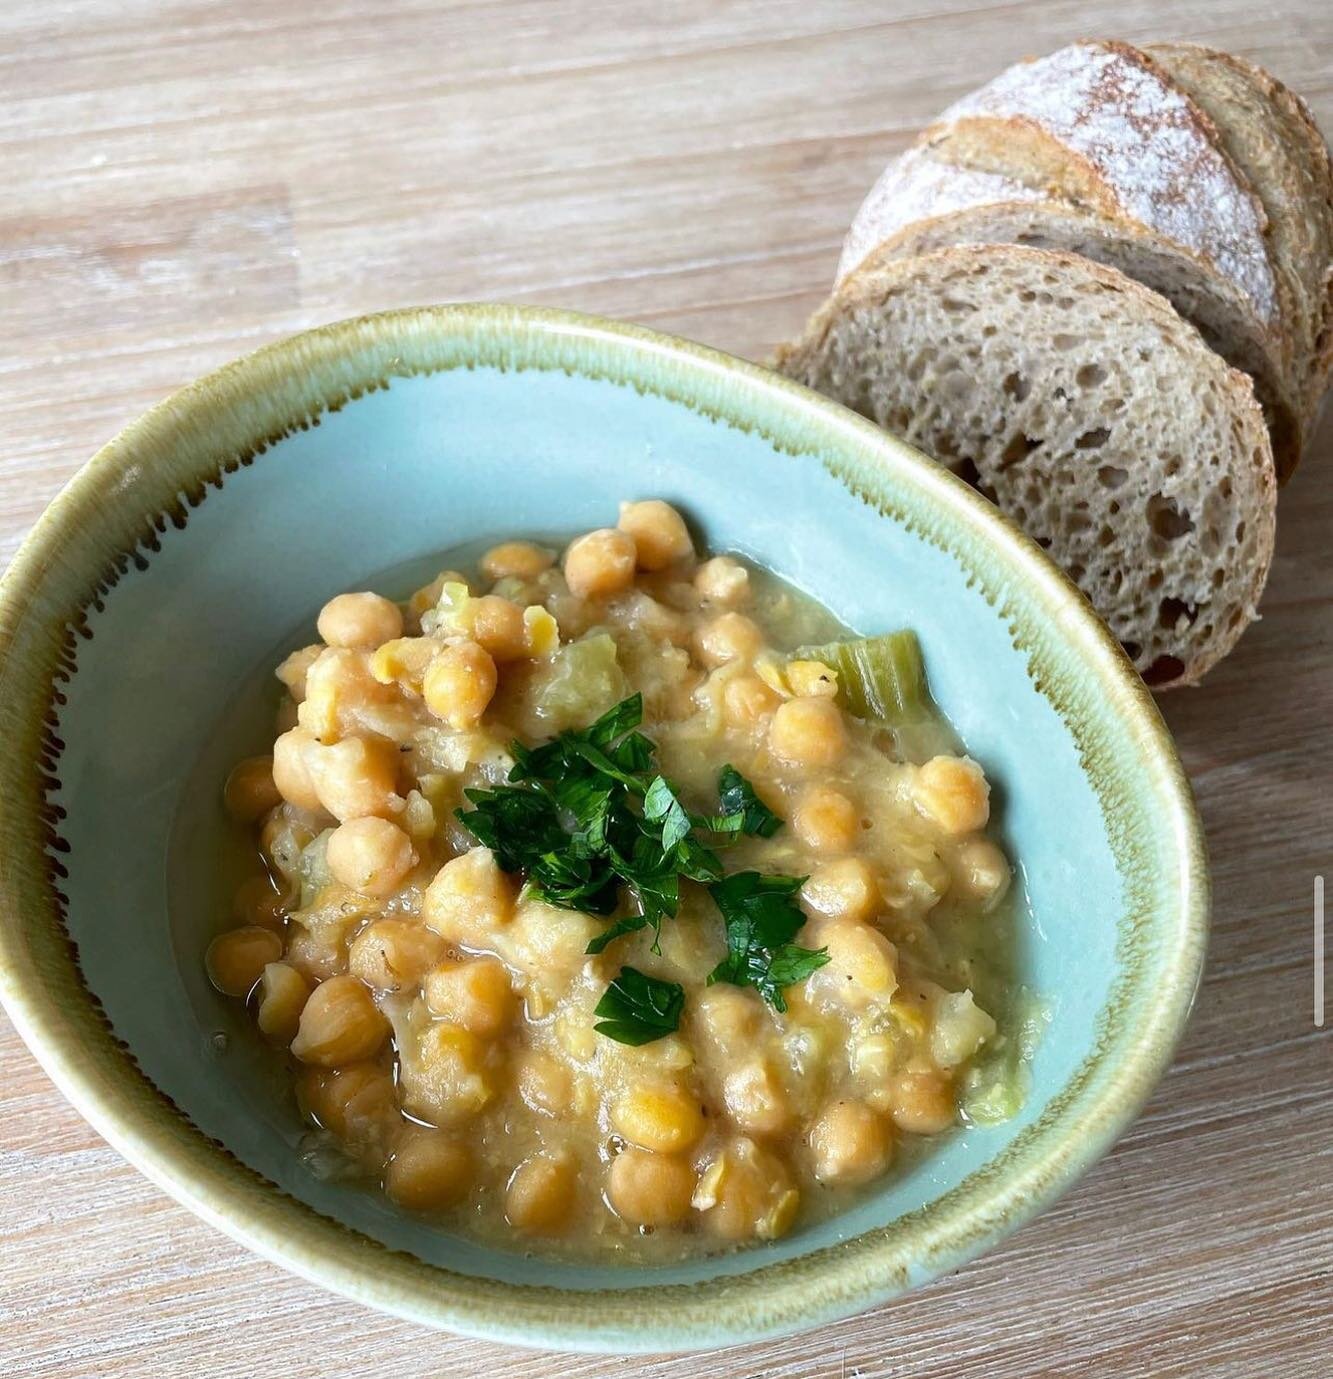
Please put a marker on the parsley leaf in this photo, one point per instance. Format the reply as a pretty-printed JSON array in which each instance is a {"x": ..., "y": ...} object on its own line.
[
  {"x": 762, "y": 918},
  {"x": 660, "y": 805},
  {"x": 737, "y": 798},
  {"x": 636, "y": 1009}
]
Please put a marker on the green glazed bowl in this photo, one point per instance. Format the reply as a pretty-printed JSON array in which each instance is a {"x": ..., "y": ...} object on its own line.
[{"x": 137, "y": 625}]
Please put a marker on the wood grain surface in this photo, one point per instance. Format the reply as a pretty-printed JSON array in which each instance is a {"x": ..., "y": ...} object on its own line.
[{"x": 184, "y": 180}]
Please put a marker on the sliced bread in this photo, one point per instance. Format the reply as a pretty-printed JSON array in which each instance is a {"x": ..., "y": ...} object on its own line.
[
  {"x": 1268, "y": 132},
  {"x": 1089, "y": 411},
  {"x": 921, "y": 203}
]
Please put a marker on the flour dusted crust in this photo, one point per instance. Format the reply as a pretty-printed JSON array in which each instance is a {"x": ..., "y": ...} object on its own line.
[{"x": 1147, "y": 152}]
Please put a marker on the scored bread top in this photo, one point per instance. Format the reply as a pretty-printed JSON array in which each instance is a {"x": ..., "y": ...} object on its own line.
[
  {"x": 1085, "y": 407},
  {"x": 1145, "y": 148}
]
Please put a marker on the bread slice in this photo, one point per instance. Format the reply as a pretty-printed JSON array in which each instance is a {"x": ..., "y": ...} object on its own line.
[
  {"x": 1089, "y": 411},
  {"x": 921, "y": 203},
  {"x": 1268, "y": 132}
]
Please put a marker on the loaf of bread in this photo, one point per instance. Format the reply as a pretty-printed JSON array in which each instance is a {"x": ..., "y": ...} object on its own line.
[
  {"x": 1198, "y": 175},
  {"x": 1082, "y": 404}
]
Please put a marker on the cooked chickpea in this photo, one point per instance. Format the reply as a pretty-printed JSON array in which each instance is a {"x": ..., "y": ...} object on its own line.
[
  {"x": 953, "y": 792},
  {"x": 236, "y": 960},
  {"x": 648, "y": 1189},
  {"x": 498, "y": 627},
  {"x": 660, "y": 535},
  {"x": 746, "y": 1192},
  {"x": 980, "y": 871},
  {"x": 430, "y": 1169},
  {"x": 250, "y": 793},
  {"x": 460, "y": 683},
  {"x": 516, "y": 559},
  {"x": 728, "y": 637},
  {"x": 756, "y": 1099},
  {"x": 357, "y": 1104},
  {"x": 808, "y": 732},
  {"x": 339, "y": 1024},
  {"x": 728, "y": 1016},
  {"x": 475, "y": 994},
  {"x": 849, "y": 1144},
  {"x": 404, "y": 661},
  {"x": 862, "y": 969},
  {"x": 541, "y": 1195},
  {"x": 394, "y": 954},
  {"x": 283, "y": 992},
  {"x": 545, "y": 1084},
  {"x": 359, "y": 620},
  {"x": 746, "y": 700},
  {"x": 825, "y": 820},
  {"x": 469, "y": 899},
  {"x": 601, "y": 563},
  {"x": 292, "y": 672},
  {"x": 922, "y": 1102},
  {"x": 355, "y": 777},
  {"x": 846, "y": 889},
  {"x": 370, "y": 855},
  {"x": 291, "y": 769},
  {"x": 723, "y": 580},
  {"x": 450, "y": 1077},
  {"x": 664, "y": 1119}
]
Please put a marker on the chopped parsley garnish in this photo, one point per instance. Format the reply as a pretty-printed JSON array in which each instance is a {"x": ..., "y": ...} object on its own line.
[
  {"x": 587, "y": 818},
  {"x": 636, "y": 1009}
]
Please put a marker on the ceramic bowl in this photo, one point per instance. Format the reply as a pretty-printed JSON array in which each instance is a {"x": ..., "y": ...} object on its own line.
[{"x": 138, "y": 624}]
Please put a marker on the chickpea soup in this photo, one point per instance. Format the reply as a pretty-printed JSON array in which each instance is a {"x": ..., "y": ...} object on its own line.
[{"x": 618, "y": 902}]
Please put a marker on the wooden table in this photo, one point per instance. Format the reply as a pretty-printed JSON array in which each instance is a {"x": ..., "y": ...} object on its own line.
[{"x": 185, "y": 180}]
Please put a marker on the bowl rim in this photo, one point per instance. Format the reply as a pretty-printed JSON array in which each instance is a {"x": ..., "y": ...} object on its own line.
[{"x": 99, "y": 1076}]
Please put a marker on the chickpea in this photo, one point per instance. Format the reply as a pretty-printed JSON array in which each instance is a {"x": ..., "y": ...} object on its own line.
[
  {"x": 357, "y": 1104},
  {"x": 825, "y": 820},
  {"x": 370, "y": 855},
  {"x": 544, "y": 1083},
  {"x": 922, "y": 1102},
  {"x": 723, "y": 580},
  {"x": 355, "y": 777},
  {"x": 745, "y": 1192},
  {"x": 756, "y": 1099},
  {"x": 648, "y": 1189},
  {"x": 475, "y": 994},
  {"x": 250, "y": 793},
  {"x": 451, "y": 1078},
  {"x": 291, "y": 769},
  {"x": 393, "y": 954},
  {"x": 808, "y": 732},
  {"x": 601, "y": 563},
  {"x": 540, "y": 1196},
  {"x": 365, "y": 620},
  {"x": 294, "y": 668},
  {"x": 235, "y": 961},
  {"x": 846, "y": 890},
  {"x": 516, "y": 559},
  {"x": 659, "y": 532},
  {"x": 460, "y": 684},
  {"x": 283, "y": 992},
  {"x": 862, "y": 969},
  {"x": 953, "y": 792},
  {"x": 746, "y": 700},
  {"x": 499, "y": 628},
  {"x": 980, "y": 871},
  {"x": 849, "y": 1144},
  {"x": 665, "y": 1119},
  {"x": 256, "y": 902},
  {"x": 339, "y": 1024},
  {"x": 728, "y": 637},
  {"x": 469, "y": 899},
  {"x": 404, "y": 661},
  {"x": 430, "y": 1169},
  {"x": 728, "y": 1017}
]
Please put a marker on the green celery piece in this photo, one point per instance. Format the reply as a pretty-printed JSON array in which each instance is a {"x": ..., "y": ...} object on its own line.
[{"x": 879, "y": 678}]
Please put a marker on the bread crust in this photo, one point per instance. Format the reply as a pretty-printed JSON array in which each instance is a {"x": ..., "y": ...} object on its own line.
[{"x": 1236, "y": 477}]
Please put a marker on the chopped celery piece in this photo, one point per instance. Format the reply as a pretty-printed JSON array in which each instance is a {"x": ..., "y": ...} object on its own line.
[
  {"x": 577, "y": 684},
  {"x": 878, "y": 677}
]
